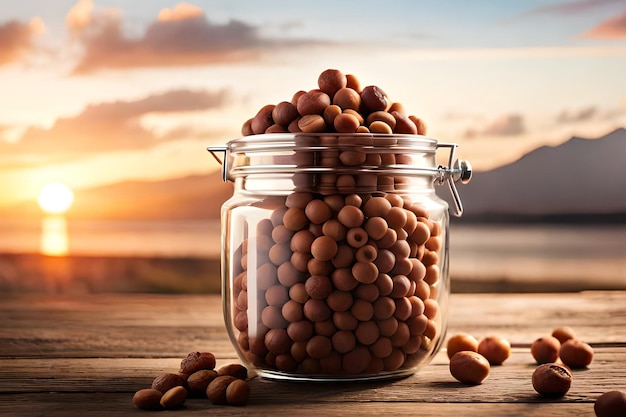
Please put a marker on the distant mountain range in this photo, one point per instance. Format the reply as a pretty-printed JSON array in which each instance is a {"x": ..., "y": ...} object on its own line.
[
  {"x": 192, "y": 197},
  {"x": 581, "y": 177}
]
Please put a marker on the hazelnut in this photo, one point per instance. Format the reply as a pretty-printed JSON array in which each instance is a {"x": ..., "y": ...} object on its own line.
[
  {"x": 199, "y": 380},
  {"x": 234, "y": 369},
  {"x": 461, "y": 342},
  {"x": 237, "y": 392},
  {"x": 576, "y": 354},
  {"x": 263, "y": 119},
  {"x": 331, "y": 80},
  {"x": 196, "y": 361},
  {"x": 374, "y": 98},
  {"x": 174, "y": 398},
  {"x": 347, "y": 98},
  {"x": 610, "y": 404},
  {"x": 564, "y": 333},
  {"x": 216, "y": 391},
  {"x": 313, "y": 102},
  {"x": 545, "y": 349},
  {"x": 312, "y": 123},
  {"x": 147, "y": 399},
  {"x": 552, "y": 380},
  {"x": 469, "y": 367},
  {"x": 165, "y": 382},
  {"x": 419, "y": 124},
  {"x": 495, "y": 349},
  {"x": 284, "y": 113}
]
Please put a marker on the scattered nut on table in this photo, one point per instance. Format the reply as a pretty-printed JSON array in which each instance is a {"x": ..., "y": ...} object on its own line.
[
  {"x": 237, "y": 392},
  {"x": 552, "y": 380},
  {"x": 234, "y": 369},
  {"x": 167, "y": 381},
  {"x": 174, "y": 398},
  {"x": 461, "y": 342},
  {"x": 196, "y": 361},
  {"x": 545, "y": 349},
  {"x": 216, "y": 391},
  {"x": 495, "y": 349},
  {"x": 199, "y": 380},
  {"x": 469, "y": 367},
  {"x": 148, "y": 399},
  {"x": 610, "y": 404},
  {"x": 197, "y": 376},
  {"x": 564, "y": 333},
  {"x": 576, "y": 354}
]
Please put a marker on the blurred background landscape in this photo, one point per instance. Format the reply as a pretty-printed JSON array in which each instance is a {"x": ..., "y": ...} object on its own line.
[{"x": 108, "y": 107}]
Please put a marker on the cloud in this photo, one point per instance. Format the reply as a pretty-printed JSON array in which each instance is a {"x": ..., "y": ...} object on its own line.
[
  {"x": 180, "y": 36},
  {"x": 105, "y": 127},
  {"x": 582, "y": 115},
  {"x": 181, "y": 11},
  {"x": 506, "y": 125},
  {"x": 79, "y": 16},
  {"x": 613, "y": 28},
  {"x": 570, "y": 7},
  {"x": 17, "y": 39}
]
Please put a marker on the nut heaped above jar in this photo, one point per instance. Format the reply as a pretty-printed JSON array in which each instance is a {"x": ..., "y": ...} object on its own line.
[{"x": 339, "y": 105}]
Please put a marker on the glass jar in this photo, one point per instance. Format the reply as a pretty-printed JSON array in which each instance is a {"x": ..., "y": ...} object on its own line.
[{"x": 335, "y": 253}]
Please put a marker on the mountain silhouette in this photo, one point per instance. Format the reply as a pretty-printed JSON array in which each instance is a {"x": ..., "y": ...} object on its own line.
[
  {"x": 578, "y": 177},
  {"x": 191, "y": 197}
]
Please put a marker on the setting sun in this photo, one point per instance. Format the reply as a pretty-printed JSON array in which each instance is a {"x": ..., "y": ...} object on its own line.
[{"x": 55, "y": 198}]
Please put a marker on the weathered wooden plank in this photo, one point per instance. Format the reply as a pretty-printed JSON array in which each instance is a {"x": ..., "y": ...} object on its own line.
[
  {"x": 111, "y": 326},
  {"x": 65, "y": 356},
  {"x": 597, "y": 317},
  {"x": 113, "y": 405},
  {"x": 161, "y": 326},
  {"x": 510, "y": 382}
]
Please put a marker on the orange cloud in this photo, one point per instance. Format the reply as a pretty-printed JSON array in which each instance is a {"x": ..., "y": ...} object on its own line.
[
  {"x": 614, "y": 28},
  {"x": 79, "y": 16},
  {"x": 180, "y": 36},
  {"x": 17, "y": 39},
  {"x": 505, "y": 125},
  {"x": 104, "y": 127},
  {"x": 181, "y": 11}
]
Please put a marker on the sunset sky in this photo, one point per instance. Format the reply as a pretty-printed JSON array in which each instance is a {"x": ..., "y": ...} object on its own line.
[{"x": 96, "y": 92}]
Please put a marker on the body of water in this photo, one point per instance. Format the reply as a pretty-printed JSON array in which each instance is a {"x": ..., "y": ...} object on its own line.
[
  {"x": 55, "y": 236},
  {"x": 477, "y": 252},
  {"x": 540, "y": 252}
]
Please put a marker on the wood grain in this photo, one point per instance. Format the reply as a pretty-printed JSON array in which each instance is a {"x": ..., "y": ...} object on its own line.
[{"x": 87, "y": 355}]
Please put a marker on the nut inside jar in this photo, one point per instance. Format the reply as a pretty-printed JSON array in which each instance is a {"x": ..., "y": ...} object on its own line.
[{"x": 311, "y": 300}]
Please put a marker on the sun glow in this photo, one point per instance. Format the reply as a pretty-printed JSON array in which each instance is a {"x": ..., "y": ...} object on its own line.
[{"x": 55, "y": 198}]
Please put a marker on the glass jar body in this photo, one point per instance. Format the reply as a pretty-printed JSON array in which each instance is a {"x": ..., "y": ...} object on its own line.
[{"x": 334, "y": 272}]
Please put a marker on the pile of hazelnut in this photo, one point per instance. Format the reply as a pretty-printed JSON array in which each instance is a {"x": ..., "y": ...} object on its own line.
[
  {"x": 197, "y": 377},
  {"x": 339, "y": 105}
]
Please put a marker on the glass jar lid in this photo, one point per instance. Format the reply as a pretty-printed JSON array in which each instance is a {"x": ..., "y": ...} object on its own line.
[{"x": 354, "y": 153}]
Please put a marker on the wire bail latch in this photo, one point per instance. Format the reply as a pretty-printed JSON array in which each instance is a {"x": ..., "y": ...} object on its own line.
[{"x": 457, "y": 169}]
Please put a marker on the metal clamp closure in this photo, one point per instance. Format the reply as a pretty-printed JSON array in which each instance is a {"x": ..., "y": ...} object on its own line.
[
  {"x": 223, "y": 162},
  {"x": 455, "y": 171}
]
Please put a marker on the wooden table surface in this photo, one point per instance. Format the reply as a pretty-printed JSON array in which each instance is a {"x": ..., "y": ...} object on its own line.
[{"x": 86, "y": 355}]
